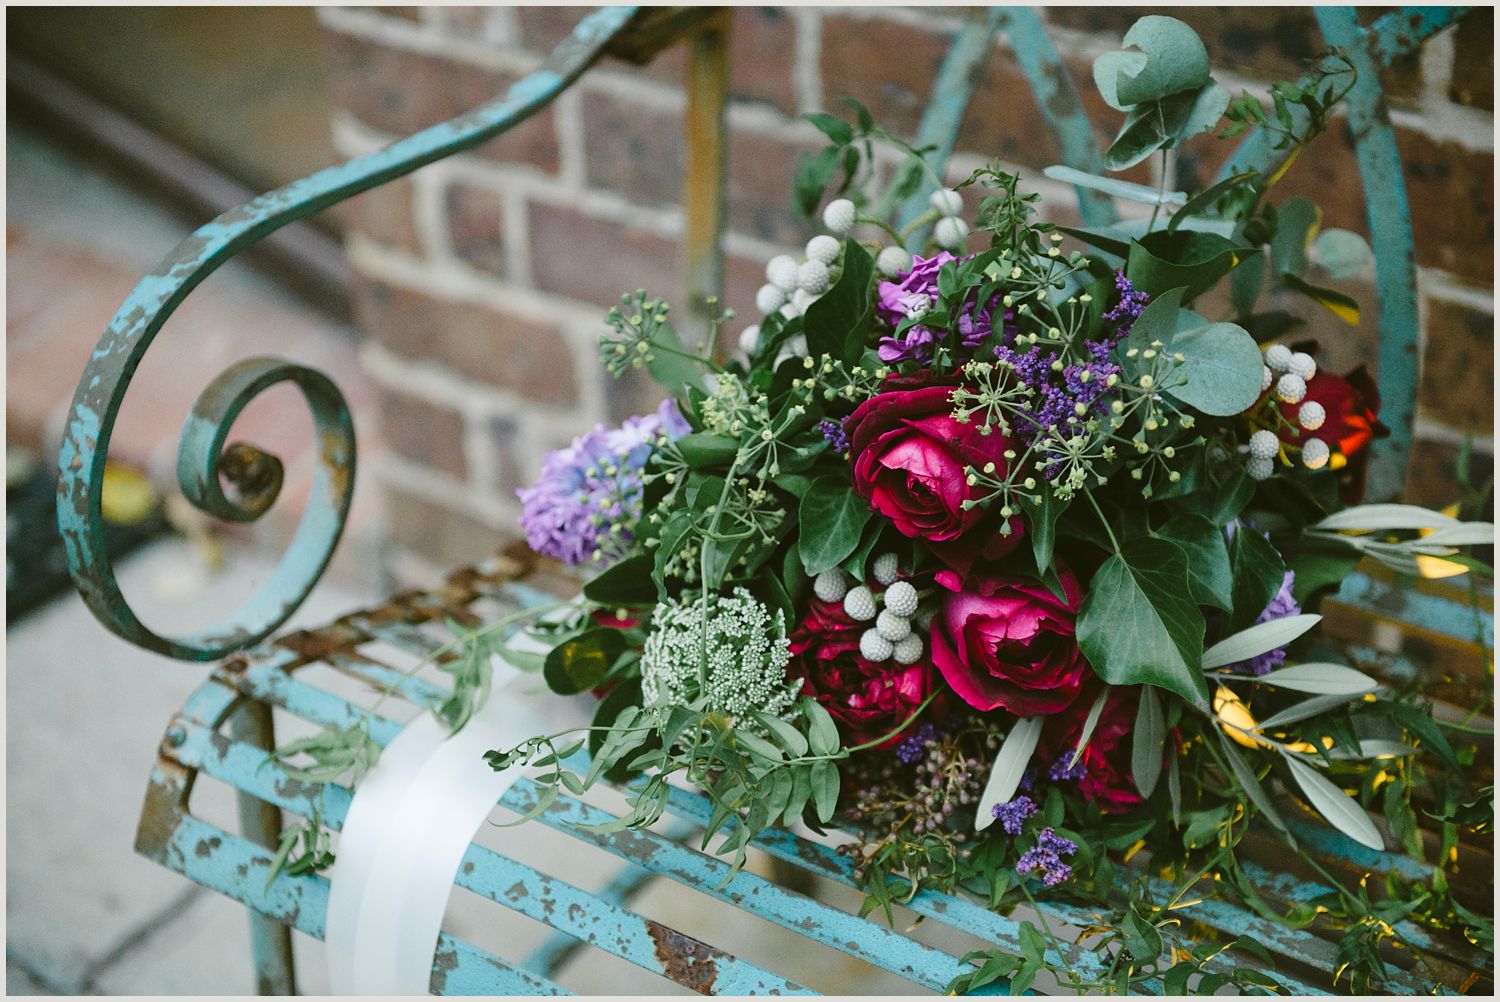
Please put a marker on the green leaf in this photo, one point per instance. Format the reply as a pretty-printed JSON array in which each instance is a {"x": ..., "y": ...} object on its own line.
[
  {"x": 701, "y": 451},
  {"x": 1148, "y": 742},
  {"x": 1341, "y": 253},
  {"x": 1346, "y": 308},
  {"x": 1246, "y": 777},
  {"x": 627, "y": 583},
  {"x": 1258, "y": 575},
  {"x": 825, "y": 788},
  {"x": 823, "y": 733},
  {"x": 1304, "y": 710},
  {"x": 1191, "y": 259},
  {"x": 1370, "y": 517},
  {"x": 1204, "y": 113},
  {"x": 1258, "y": 639},
  {"x": 1042, "y": 526},
  {"x": 1170, "y": 59},
  {"x": 1208, "y": 196},
  {"x": 1209, "y": 575},
  {"x": 785, "y": 734},
  {"x": 1141, "y": 938},
  {"x": 836, "y": 129},
  {"x": 1296, "y": 222},
  {"x": 1222, "y": 368},
  {"x": 1115, "y": 187},
  {"x": 1231, "y": 499},
  {"x": 814, "y": 171},
  {"x": 1117, "y": 244},
  {"x": 674, "y": 367},
  {"x": 1010, "y": 763},
  {"x": 1245, "y": 283},
  {"x": 581, "y": 663},
  {"x": 1320, "y": 678},
  {"x": 1139, "y": 623},
  {"x": 832, "y": 518},
  {"x": 1335, "y": 805},
  {"x": 835, "y": 322}
]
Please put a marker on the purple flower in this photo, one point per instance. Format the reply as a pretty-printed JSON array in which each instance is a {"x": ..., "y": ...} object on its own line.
[
  {"x": 917, "y": 288},
  {"x": 594, "y": 485},
  {"x": 1014, "y": 813},
  {"x": 912, "y": 297},
  {"x": 913, "y": 748},
  {"x": 1062, "y": 771},
  {"x": 1282, "y": 605},
  {"x": 834, "y": 435},
  {"x": 1125, "y": 313},
  {"x": 1047, "y": 856}
]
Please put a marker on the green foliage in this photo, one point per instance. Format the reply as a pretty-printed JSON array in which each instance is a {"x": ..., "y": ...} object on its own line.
[{"x": 836, "y": 517}]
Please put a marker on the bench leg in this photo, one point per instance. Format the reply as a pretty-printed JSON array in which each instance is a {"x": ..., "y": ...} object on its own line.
[{"x": 260, "y": 822}]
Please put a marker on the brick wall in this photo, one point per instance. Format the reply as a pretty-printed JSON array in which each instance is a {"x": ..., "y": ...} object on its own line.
[{"x": 483, "y": 278}]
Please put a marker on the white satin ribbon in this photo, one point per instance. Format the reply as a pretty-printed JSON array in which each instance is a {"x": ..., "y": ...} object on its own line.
[{"x": 409, "y": 824}]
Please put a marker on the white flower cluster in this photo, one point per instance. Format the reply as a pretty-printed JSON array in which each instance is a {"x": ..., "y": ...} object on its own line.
[
  {"x": 1289, "y": 371},
  {"x": 893, "y": 636},
  {"x": 727, "y": 649}
]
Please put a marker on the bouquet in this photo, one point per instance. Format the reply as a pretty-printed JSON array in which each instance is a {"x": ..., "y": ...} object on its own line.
[{"x": 997, "y": 545}]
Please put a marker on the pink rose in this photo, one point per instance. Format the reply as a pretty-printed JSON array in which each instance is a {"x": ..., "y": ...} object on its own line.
[
  {"x": 1007, "y": 643},
  {"x": 867, "y": 699},
  {"x": 1103, "y": 773},
  {"x": 909, "y": 457}
]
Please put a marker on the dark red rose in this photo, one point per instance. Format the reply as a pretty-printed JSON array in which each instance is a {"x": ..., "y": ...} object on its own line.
[
  {"x": 1351, "y": 404},
  {"x": 910, "y": 457},
  {"x": 1105, "y": 778},
  {"x": 867, "y": 699},
  {"x": 1008, "y": 643}
]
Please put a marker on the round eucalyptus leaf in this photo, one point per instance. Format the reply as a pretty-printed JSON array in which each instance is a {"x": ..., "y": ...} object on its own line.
[{"x": 1222, "y": 369}]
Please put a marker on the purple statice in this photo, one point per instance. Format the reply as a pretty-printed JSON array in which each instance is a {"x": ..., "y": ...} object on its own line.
[
  {"x": 1013, "y": 813},
  {"x": 913, "y": 748},
  {"x": 834, "y": 435},
  {"x": 1061, "y": 769},
  {"x": 1058, "y": 392},
  {"x": 592, "y": 486},
  {"x": 1125, "y": 313},
  {"x": 1047, "y": 856},
  {"x": 1282, "y": 605}
]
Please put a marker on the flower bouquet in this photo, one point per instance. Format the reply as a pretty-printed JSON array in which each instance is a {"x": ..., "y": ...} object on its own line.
[{"x": 990, "y": 550}]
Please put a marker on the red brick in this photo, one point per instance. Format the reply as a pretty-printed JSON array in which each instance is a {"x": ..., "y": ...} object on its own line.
[
  {"x": 476, "y": 226},
  {"x": 423, "y": 432},
  {"x": 440, "y": 533},
  {"x": 760, "y": 186},
  {"x": 385, "y": 215},
  {"x": 596, "y": 260},
  {"x": 633, "y": 149},
  {"x": 1473, "y": 80},
  {"x": 403, "y": 92},
  {"x": 1458, "y": 367},
  {"x": 1432, "y": 477},
  {"x": 524, "y": 354},
  {"x": 1452, "y": 195}
]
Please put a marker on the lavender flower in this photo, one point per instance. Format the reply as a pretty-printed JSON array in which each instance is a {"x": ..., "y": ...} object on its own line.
[
  {"x": 1013, "y": 814},
  {"x": 1282, "y": 605},
  {"x": 588, "y": 498},
  {"x": 1047, "y": 856},
  {"x": 1061, "y": 771},
  {"x": 913, "y": 748},
  {"x": 1125, "y": 313},
  {"x": 834, "y": 434}
]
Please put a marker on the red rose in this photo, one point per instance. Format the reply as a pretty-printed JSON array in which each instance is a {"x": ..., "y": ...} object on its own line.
[
  {"x": 1009, "y": 643},
  {"x": 866, "y": 698},
  {"x": 1350, "y": 404},
  {"x": 1105, "y": 778},
  {"x": 909, "y": 457}
]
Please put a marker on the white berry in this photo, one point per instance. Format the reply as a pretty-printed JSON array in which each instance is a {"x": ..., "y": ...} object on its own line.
[
  {"x": 860, "y": 604},
  {"x": 950, "y": 232},
  {"x": 838, "y": 215},
  {"x": 790, "y": 310},
  {"x": 824, "y": 248},
  {"x": 1311, "y": 415},
  {"x": 1263, "y": 445},
  {"x": 901, "y": 598},
  {"x": 750, "y": 339},
  {"x": 886, "y": 569},
  {"x": 1291, "y": 388},
  {"x": 893, "y": 261},
  {"x": 802, "y": 299},
  {"x": 947, "y": 202},
  {"x": 1302, "y": 364},
  {"x": 830, "y": 586},
  {"x": 813, "y": 276},
  {"x": 1315, "y": 454},
  {"x": 1279, "y": 358},
  {"x": 893, "y": 627},
  {"x": 908, "y": 649},
  {"x": 781, "y": 271},
  {"x": 874, "y": 647},
  {"x": 1267, "y": 377},
  {"x": 1259, "y": 469},
  {"x": 769, "y": 298}
]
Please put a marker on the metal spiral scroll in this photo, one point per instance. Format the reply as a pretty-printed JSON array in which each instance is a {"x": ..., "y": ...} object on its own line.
[{"x": 203, "y": 458}]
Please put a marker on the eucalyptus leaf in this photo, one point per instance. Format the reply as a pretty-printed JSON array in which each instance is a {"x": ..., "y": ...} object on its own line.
[
  {"x": 1148, "y": 742},
  {"x": 1170, "y": 59},
  {"x": 1258, "y": 639},
  {"x": 1341, "y": 810},
  {"x": 1010, "y": 764},
  {"x": 1341, "y": 253},
  {"x": 1320, "y": 679},
  {"x": 1222, "y": 367}
]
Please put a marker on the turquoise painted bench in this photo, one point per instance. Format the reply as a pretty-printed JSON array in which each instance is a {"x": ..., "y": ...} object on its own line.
[{"x": 224, "y": 732}]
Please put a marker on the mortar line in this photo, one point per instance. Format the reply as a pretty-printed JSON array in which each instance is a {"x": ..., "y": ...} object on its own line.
[{"x": 164, "y": 917}]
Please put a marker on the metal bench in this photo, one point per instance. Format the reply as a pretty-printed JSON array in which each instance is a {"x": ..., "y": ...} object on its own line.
[{"x": 224, "y": 731}]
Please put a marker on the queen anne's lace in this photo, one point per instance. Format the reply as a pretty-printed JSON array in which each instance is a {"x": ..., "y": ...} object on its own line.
[{"x": 726, "y": 649}]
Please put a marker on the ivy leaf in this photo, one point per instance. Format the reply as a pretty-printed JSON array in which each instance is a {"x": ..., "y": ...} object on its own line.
[
  {"x": 580, "y": 664},
  {"x": 1209, "y": 574},
  {"x": 834, "y": 323},
  {"x": 1042, "y": 527},
  {"x": 1139, "y": 623},
  {"x": 833, "y": 518},
  {"x": 1258, "y": 575},
  {"x": 627, "y": 583}
]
